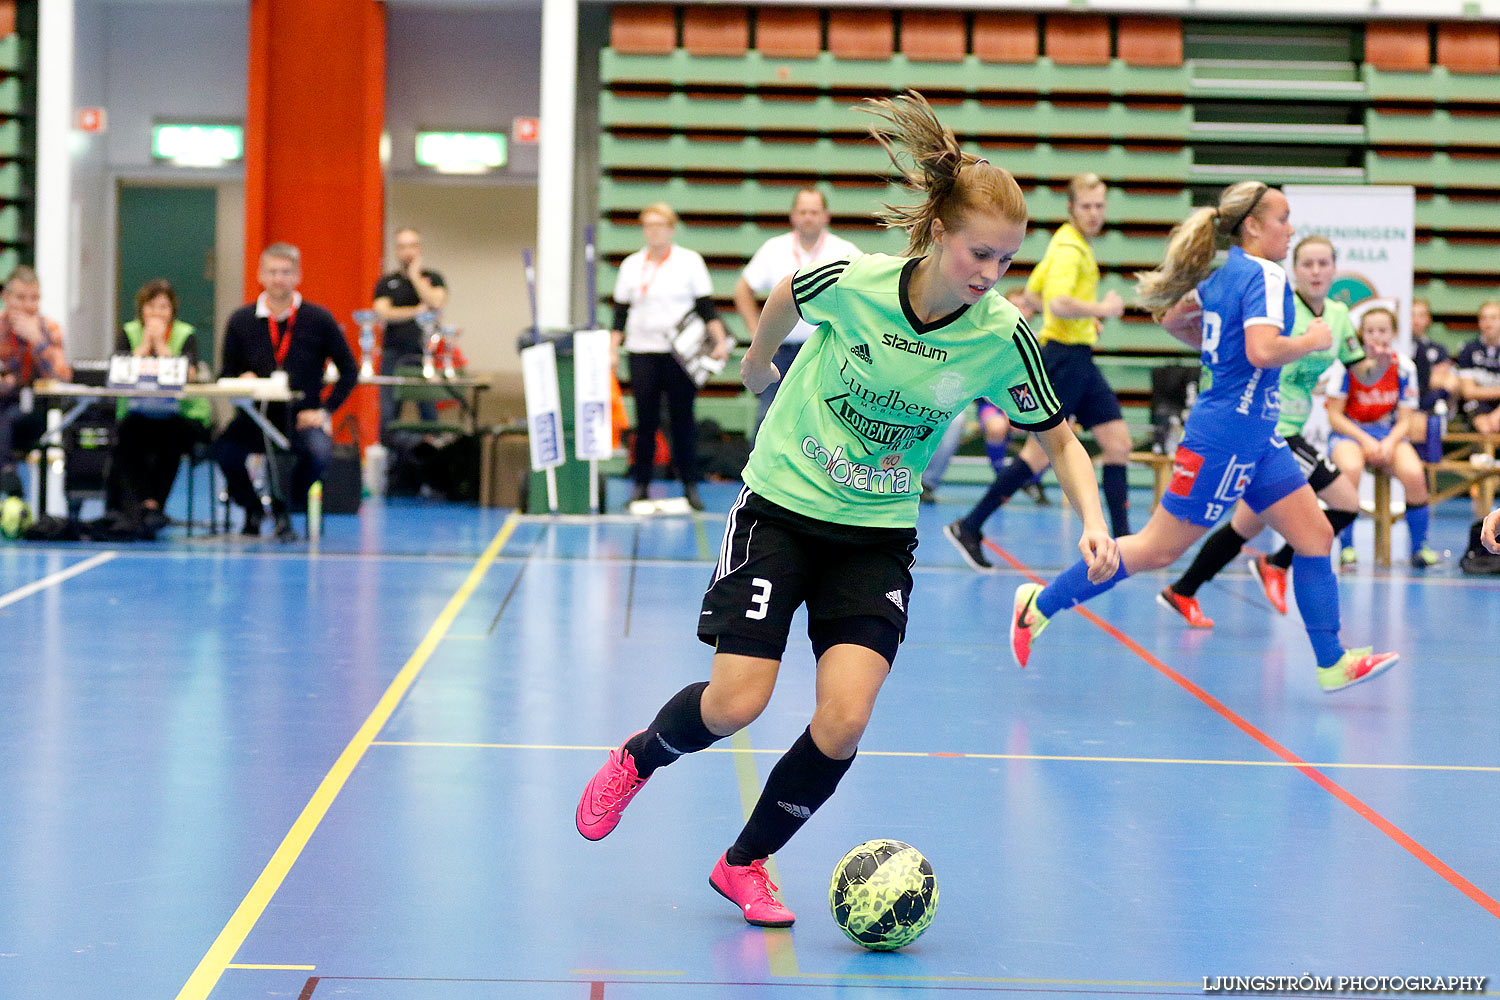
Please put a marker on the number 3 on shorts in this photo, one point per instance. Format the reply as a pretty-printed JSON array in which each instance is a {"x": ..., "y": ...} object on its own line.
[{"x": 761, "y": 598}]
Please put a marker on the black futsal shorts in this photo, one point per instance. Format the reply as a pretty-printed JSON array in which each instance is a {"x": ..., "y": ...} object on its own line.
[{"x": 855, "y": 580}]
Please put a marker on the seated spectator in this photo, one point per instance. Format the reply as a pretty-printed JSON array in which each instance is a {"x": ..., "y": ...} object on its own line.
[
  {"x": 1437, "y": 382},
  {"x": 31, "y": 347},
  {"x": 279, "y": 331},
  {"x": 1369, "y": 409},
  {"x": 152, "y": 443},
  {"x": 1479, "y": 371}
]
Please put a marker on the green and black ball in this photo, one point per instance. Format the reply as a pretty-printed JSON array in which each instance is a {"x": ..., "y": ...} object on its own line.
[{"x": 883, "y": 894}]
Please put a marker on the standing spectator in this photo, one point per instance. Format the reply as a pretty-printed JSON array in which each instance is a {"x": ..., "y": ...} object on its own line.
[
  {"x": 281, "y": 332},
  {"x": 808, "y": 243},
  {"x": 31, "y": 347},
  {"x": 152, "y": 443},
  {"x": 1479, "y": 371},
  {"x": 658, "y": 287},
  {"x": 400, "y": 297}
]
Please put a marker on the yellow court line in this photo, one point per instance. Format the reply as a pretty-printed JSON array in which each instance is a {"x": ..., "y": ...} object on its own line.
[
  {"x": 705, "y": 552},
  {"x": 1346, "y": 765},
  {"x": 273, "y": 968},
  {"x": 201, "y": 983}
]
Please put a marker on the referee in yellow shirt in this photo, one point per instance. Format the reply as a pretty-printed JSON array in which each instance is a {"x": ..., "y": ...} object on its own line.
[{"x": 1066, "y": 280}]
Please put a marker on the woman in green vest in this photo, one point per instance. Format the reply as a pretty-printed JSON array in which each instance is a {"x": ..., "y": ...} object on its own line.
[{"x": 153, "y": 440}]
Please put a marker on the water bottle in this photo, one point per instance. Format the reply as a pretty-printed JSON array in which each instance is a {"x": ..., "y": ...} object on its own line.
[
  {"x": 1432, "y": 446},
  {"x": 376, "y": 459},
  {"x": 315, "y": 512}
]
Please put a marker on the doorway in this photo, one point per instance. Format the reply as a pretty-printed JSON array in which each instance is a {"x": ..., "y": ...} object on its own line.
[{"x": 170, "y": 232}]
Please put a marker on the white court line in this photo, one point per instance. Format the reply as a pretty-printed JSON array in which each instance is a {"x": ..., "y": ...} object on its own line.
[{"x": 22, "y": 593}]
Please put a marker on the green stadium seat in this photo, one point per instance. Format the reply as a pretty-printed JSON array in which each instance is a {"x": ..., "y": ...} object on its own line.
[
  {"x": 1438, "y": 85},
  {"x": 1432, "y": 127},
  {"x": 1471, "y": 212},
  {"x": 1440, "y": 170}
]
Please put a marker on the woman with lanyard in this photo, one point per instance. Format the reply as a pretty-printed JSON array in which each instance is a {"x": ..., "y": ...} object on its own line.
[
  {"x": 1240, "y": 316},
  {"x": 828, "y": 513},
  {"x": 658, "y": 287},
  {"x": 1313, "y": 266}
]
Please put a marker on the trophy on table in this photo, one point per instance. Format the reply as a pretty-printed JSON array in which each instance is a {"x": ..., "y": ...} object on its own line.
[
  {"x": 427, "y": 319},
  {"x": 366, "y": 318},
  {"x": 450, "y": 335}
]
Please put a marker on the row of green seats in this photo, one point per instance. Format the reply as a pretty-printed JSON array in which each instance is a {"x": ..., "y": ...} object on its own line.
[
  {"x": 15, "y": 55},
  {"x": 742, "y": 198},
  {"x": 972, "y": 116},
  {"x": 1475, "y": 212},
  {"x": 10, "y": 224},
  {"x": 12, "y": 181},
  {"x": 1439, "y": 170},
  {"x": 12, "y": 138},
  {"x": 1113, "y": 248},
  {"x": 1433, "y": 127},
  {"x": 755, "y": 155},
  {"x": 826, "y": 71},
  {"x": 10, "y": 95},
  {"x": 1453, "y": 299},
  {"x": 1434, "y": 85}
]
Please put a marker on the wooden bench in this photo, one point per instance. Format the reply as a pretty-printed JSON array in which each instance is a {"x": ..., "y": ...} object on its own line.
[
  {"x": 1161, "y": 472},
  {"x": 1478, "y": 481}
]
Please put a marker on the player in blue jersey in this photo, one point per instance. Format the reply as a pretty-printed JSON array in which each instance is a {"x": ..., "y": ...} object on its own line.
[{"x": 1239, "y": 316}]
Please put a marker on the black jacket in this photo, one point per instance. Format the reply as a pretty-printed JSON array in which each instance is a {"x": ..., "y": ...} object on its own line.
[{"x": 316, "y": 340}]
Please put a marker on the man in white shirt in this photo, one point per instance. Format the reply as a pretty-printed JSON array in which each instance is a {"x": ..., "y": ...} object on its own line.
[{"x": 808, "y": 243}]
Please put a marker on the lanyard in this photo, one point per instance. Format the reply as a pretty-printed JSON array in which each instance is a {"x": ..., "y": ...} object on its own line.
[
  {"x": 282, "y": 344},
  {"x": 646, "y": 281},
  {"x": 813, "y": 255}
]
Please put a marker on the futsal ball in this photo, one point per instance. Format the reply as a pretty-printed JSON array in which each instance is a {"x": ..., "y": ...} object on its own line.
[
  {"x": 883, "y": 894},
  {"x": 15, "y": 517}
]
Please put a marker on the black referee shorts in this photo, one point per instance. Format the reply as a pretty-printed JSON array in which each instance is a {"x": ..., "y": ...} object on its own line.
[
  {"x": 855, "y": 580},
  {"x": 1079, "y": 384},
  {"x": 1316, "y": 466}
]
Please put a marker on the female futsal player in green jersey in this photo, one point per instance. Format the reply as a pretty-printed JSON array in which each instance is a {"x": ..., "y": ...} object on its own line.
[{"x": 828, "y": 513}]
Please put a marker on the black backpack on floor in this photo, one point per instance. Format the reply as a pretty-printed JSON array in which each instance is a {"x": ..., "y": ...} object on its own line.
[{"x": 1479, "y": 560}]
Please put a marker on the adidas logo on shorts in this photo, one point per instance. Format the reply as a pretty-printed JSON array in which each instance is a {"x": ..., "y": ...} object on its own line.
[
  {"x": 895, "y": 598},
  {"x": 861, "y": 352}
]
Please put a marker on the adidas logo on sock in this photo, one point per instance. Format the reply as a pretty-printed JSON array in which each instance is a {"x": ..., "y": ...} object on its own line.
[
  {"x": 801, "y": 812},
  {"x": 895, "y": 598}
]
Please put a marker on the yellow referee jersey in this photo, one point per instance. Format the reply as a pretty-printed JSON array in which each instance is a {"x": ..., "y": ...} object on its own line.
[{"x": 1067, "y": 268}]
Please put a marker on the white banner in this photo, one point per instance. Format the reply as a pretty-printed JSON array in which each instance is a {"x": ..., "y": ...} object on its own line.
[
  {"x": 591, "y": 429},
  {"x": 543, "y": 406},
  {"x": 1372, "y": 229},
  {"x": 1373, "y": 232}
]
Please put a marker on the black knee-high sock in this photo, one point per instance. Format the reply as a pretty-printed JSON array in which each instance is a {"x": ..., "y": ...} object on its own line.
[
  {"x": 1117, "y": 498},
  {"x": 1011, "y": 478},
  {"x": 1340, "y": 519},
  {"x": 1219, "y": 551},
  {"x": 677, "y": 729},
  {"x": 801, "y": 781}
]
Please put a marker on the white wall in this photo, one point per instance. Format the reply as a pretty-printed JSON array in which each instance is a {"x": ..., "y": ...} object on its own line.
[{"x": 473, "y": 235}]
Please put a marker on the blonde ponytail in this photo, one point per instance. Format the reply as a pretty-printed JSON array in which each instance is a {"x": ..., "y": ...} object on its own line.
[
  {"x": 954, "y": 182},
  {"x": 1192, "y": 245}
]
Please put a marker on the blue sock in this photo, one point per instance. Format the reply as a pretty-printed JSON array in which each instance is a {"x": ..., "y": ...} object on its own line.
[
  {"x": 1346, "y": 537},
  {"x": 1416, "y": 524},
  {"x": 1317, "y": 592},
  {"x": 996, "y": 453},
  {"x": 1117, "y": 498},
  {"x": 1072, "y": 587}
]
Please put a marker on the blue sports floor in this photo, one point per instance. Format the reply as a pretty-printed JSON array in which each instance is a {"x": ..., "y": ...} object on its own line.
[{"x": 246, "y": 770}]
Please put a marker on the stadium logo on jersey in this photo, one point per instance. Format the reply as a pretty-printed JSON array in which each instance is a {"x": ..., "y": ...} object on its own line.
[
  {"x": 861, "y": 351},
  {"x": 1185, "y": 467},
  {"x": 949, "y": 389},
  {"x": 879, "y": 435},
  {"x": 852, "y": 475},
  {"x": 1025, "y": 399},
  {"x": 916, "y": 347}
]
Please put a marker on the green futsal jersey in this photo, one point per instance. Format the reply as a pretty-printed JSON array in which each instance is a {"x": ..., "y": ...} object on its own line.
[
  {"x": 1299, "y": 378},
  {"x": 860, "y": 412}
]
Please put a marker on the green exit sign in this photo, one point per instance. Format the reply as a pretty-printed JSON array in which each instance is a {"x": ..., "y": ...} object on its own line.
[
  {"x": 461, "y": 152},
  {"x": 185, "y": 144}
]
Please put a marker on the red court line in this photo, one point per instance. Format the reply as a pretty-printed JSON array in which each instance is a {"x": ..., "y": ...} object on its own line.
[
  {"x": 596, "y": 990},
  {"x": 1332, "y": 787}
]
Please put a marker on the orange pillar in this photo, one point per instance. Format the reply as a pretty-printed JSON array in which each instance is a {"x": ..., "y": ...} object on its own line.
[{"x": 315, "y": 109}]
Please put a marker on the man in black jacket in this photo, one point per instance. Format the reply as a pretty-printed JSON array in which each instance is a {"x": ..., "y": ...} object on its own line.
[{"x": 279, "y": 331}]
